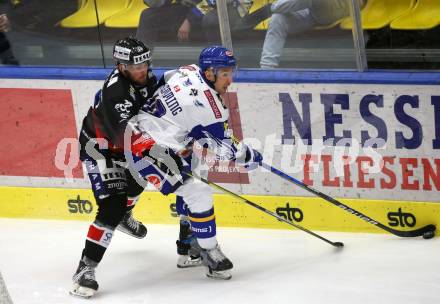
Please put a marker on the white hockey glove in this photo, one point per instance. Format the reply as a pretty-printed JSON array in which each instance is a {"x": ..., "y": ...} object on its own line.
[{"x": 248, "y": 158}]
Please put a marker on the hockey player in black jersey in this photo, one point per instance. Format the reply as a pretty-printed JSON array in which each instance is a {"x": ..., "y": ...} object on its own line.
[{"x": 102, "y": 140}]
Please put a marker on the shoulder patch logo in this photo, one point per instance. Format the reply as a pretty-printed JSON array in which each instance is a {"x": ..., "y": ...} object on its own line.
[
  {"x": 194, "y": 92},
  {"x": 187, "y": 83}
]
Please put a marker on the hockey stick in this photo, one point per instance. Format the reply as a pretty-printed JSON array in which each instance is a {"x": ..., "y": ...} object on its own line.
[
  {"x": 336, "y": 244},
  {"x": 426, "y": 231}
]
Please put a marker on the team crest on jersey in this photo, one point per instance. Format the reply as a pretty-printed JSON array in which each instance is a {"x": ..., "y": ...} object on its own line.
[
  {"x": 187, "y": 83},
  {"x": 176, "y": 88},
  {"x": 194, "y": 92},
  {"x": 124, "y": 109}
]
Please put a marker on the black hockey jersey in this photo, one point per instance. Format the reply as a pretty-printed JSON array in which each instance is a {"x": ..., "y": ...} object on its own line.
[{"x": 115, "y": 104}]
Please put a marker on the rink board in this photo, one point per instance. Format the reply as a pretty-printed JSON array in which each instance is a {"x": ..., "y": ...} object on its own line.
[
  {"x": 300, "y": 128},
  {"x": 153, "y": 207},
  {"x": 297, "y": 119}
]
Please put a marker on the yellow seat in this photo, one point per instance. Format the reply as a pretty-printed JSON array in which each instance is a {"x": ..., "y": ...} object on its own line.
[
  {"x": 128, "y": 17},
  {"x": 425, "y": 15},
  {"x": 379, "y": 13},
  {"x": 86, "y": 15},
  {"x": 263, "y": 25}
]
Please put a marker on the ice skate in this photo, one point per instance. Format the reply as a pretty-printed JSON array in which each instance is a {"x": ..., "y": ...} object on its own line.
[
  {"x": 186, "y": 257},
  {"x": 84, "y": 283},
  {"x": 186, "y": 261},
  {"x": 131, "y": 226},
  {"x": 218, "y": 265}
]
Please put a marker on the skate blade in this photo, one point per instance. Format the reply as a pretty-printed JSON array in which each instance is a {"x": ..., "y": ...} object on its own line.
[
  {"x": 82, "y": 292},
  {"x": 186, "y": 261},
  {"x": 129, "y": 233},
  {"x": 219, "y": 275}
]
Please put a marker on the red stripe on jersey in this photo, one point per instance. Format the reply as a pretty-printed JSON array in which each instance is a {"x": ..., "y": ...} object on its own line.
[
  {"x": 100, "y": 134},
  {"x": 212, "y": 103},
  {"x": 188, "y": 67},
  {"x": 95, "y": 233}
]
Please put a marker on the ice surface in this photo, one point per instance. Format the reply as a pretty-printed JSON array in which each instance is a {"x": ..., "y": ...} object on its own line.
[{"x": 38, "y": 258}]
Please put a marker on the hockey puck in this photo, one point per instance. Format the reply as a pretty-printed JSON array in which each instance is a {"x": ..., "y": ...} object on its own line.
[
  {"x": 339, "y": 244},
  {"x": 428, "y": 235}
]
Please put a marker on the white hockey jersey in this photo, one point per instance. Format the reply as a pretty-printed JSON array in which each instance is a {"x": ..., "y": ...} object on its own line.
[{"x": 187, "y": 109}]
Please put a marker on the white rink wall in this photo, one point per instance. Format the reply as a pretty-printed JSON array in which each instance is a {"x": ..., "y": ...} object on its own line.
[{"x": 274, "y": 117}]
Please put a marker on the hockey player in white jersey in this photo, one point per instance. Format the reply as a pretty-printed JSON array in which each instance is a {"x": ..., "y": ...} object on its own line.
[{"x": 188, "y": 108}]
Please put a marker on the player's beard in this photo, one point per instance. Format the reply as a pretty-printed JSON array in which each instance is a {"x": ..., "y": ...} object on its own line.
[{"x": 140, "y": 80}]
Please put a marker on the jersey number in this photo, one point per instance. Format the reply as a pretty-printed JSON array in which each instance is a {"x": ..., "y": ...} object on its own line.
[{"x": 155, "y": 107}]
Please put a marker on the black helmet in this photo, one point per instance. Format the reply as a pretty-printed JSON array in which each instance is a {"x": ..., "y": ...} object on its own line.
[{"x": 131, "y": 51}]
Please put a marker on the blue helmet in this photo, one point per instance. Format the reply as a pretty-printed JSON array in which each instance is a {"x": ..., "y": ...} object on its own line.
[{"x": 216, "y": 57}]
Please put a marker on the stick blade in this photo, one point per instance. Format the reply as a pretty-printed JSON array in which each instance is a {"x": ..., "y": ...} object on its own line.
[{"x": 413, "y": 233}]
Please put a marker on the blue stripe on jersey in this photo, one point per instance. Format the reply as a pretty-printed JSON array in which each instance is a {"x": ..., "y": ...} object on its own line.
[
  {"x": 203, "y": 224},
  {"x": 181, "y": 207}
]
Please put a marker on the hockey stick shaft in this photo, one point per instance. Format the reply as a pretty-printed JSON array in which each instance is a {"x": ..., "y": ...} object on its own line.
[
  {"x": 336, "y": 244},
  {"x": 412, "y": 233}
]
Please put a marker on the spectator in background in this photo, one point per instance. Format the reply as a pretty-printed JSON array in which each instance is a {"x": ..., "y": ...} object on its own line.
[
  {"x": 187, "y": 16},
  {"x": 207, "y": 11},
  {"x": 295, "y": 16},
  {"x": 164, "y": 16},
  {"x": 6, "y": 55}
]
